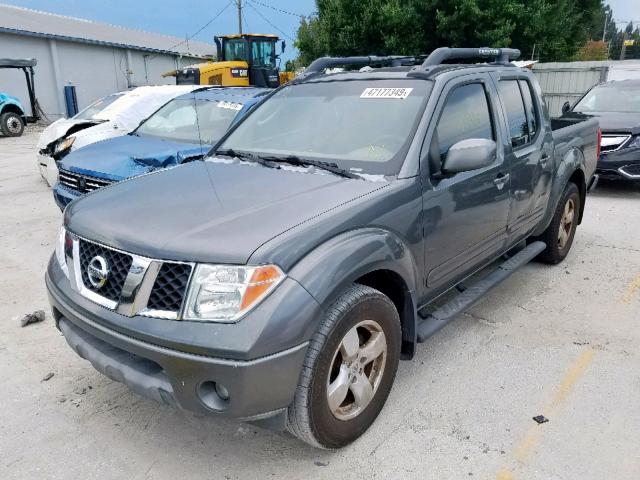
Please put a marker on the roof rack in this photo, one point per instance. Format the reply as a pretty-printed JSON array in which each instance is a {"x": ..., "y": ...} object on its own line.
[
  {"x": 431, "y": 63},
  {"x": 321, "y": 64},
  {"x": 500, "y": 55}
]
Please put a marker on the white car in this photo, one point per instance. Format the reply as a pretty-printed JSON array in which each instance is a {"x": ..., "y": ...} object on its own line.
[{"x": 112, "y": 116}]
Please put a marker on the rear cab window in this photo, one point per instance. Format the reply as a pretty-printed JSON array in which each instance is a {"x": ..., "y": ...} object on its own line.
[{"x": 520, "y": 109}]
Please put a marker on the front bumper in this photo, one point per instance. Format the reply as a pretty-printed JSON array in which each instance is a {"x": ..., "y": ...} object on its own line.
[
  {"x": 623, "y": 163},
  {"x": 63, "y": 196},
  {"x": 259, "y": 389},
  {"x": 47, "y": 168}
]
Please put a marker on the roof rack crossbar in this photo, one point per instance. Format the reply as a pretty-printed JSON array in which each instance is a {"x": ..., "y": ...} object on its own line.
[
  {"x": 440, "y": 55},
  {"x": 323, "y": 63}
]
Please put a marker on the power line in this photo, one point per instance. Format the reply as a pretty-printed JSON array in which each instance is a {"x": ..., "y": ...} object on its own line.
[
  {"x": 189, "y": 37},
  {"x": 277, "y": 9},
  {"x": 250, "y": 3}
]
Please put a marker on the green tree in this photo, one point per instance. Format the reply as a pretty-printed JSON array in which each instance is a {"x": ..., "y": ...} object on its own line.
[{"x": 558, "y": 29}]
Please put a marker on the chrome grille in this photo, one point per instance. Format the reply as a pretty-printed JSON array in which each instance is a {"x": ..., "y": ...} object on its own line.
[
  {"x": 612, "y": 142},
  {"x": 82, "y": 183},
  {"x": 134, "y": 285},
  {"x": 118, "y": 265}
]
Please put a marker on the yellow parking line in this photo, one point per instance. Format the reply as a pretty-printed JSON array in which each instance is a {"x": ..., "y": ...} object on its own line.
[
  {"x": 532, "y": 438},
  {"x": 632, "y": 288}
]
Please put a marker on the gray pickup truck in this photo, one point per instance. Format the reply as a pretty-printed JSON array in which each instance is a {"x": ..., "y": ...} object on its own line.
[{"x": 280, "y": 280}]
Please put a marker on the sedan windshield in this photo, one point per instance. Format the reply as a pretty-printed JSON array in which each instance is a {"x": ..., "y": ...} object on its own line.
[
  {"x": 96, "y": 107},
  {"x": 610, "y": 98},
  {"x": 362, "y": 125},
  {"x": 191, "y": 120}
]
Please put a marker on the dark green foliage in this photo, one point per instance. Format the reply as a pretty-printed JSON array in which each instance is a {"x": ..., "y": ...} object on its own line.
[{"x": 558, "y": 29}]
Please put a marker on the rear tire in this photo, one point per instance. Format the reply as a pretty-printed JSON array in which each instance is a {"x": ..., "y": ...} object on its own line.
[
  {"x": 11, "y": 124},
  {"x": 348, "y": 371},
  {"x": 560, "y": 233}
]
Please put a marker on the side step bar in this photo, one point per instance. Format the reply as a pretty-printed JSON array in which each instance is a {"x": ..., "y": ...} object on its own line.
[{"x": 432, "y": 322}]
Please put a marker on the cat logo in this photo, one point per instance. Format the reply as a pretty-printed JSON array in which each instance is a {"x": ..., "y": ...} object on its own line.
[{"x": 239, "y": 72}]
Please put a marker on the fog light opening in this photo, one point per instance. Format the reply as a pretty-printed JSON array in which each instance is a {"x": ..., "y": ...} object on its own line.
[{"x": 214, "y": 395}]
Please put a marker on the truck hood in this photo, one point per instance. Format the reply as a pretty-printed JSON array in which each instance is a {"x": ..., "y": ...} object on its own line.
[
  {"x": 618, "y": 122},
  {"x": 208, "y": 212},
  {"x": 129, "y": 155}
]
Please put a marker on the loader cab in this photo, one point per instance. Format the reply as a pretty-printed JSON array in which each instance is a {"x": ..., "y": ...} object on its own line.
[{"x": 257, "y": 51}]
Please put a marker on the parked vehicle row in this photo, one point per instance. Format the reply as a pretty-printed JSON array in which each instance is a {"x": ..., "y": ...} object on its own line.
[
  {"x": 112, "y": 116},
  {"x": 281, "y": 279},
  {"x": 182, "y": 130}
]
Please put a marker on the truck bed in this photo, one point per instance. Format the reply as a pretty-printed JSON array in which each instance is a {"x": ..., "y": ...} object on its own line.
[{"x": 577, "y": 132}]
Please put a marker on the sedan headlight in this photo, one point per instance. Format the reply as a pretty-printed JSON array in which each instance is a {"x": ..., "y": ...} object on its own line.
[
  {"x": 61, "y": 246},
  {"x": 224, "y": 293},
  {"x": 634, "y": 143},
  {"x": 64, "y": 145}
]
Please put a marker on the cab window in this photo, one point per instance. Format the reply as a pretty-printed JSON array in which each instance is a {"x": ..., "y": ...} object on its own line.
[
  {"x": 262, "y": 53},
  {"x": 235, "y": 50},
  {"x": 516, "y": 115},
  {"x": 465, "y": 115}
]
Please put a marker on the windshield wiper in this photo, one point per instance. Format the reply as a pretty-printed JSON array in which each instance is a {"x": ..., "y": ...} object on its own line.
[
  {"x": 272, "y": 161},
  {"x": 229, "y": 152},
  {"x": 307, "y": 162}
]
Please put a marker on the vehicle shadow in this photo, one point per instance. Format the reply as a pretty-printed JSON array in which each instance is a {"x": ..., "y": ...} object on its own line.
[{"x": 616, "y": 188}]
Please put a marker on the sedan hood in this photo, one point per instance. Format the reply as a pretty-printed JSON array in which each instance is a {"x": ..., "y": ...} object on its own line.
[
  {"x": 59, "y": 129},
  {"x": 618, "y": 122},
  {"x": 208, "y": 212},
  {"x": 130, "y": 155}
]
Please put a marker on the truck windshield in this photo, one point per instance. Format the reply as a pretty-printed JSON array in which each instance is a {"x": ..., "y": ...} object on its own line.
[
  {"x": 191, "y": 121},
  {"x": 96, "y": 107},
  {"x": 362, "y": 125},
  {"x": 610, "y": 98}
]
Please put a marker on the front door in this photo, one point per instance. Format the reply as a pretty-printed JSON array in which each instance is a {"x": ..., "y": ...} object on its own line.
[{"x": 465, "y": 214}]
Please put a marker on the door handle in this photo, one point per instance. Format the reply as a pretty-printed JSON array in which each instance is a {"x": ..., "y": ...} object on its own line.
[
  {"x": 500, "y": 180},
  {"x": 544, "y": 160}
]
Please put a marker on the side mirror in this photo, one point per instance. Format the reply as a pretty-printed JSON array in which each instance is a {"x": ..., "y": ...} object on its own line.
[
  {"x": 566, "y": 106},
  {"x": 470, "y": 154},
  {"x": 283, "y": 44}
]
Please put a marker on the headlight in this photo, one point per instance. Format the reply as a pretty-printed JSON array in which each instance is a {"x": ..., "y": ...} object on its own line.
[
  {"x": 65, "y": 144},
  {"x": 224, "y": 293},
  {"x": 634, "y": 143},
  {"x": 61, "y": 246}
]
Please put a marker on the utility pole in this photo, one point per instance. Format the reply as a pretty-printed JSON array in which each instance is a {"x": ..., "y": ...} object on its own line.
[
  {"x": 239, "y": 4},
  {"x": 604, "y": 31},
  {"x": 623, "y": 51}
]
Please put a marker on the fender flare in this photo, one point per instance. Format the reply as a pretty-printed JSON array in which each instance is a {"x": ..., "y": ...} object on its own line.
[
  {"x": 328, "y": 270},
  {"x": 572, "y": 162}
]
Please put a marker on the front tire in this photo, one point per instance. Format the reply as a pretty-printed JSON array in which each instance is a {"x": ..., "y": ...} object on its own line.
[
  {"x": 560, "y": 233},
  {"x": 11, "y": 124},
  {"x": 349, "y": 369}
]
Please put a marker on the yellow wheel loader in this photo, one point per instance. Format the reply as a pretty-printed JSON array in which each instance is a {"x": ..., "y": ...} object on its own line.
[{"x": 243, "y": 60}]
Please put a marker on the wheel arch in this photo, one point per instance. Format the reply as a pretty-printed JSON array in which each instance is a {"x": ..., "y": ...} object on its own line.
[
  {"x": 375, "y": 257},
  {"x": 13, "y": 108}
]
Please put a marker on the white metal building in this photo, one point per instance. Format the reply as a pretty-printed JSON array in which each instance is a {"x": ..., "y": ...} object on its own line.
[{"x": 95, "y": 57}]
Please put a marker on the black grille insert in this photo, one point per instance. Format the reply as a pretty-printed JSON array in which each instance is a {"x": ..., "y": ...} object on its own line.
[
  {"x": 118, "y": 265},
  {"x": 633, "y": 169},
  {"x": 170, "y": 287}
]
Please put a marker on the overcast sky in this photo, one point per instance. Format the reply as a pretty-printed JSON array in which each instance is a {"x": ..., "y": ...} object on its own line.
[{"x": 185, "y": 17}]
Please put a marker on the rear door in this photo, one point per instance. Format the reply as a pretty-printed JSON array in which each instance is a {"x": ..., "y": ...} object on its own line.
[
  {"x": 528, "y": 150},
  {"x": 465, "y": 214}
]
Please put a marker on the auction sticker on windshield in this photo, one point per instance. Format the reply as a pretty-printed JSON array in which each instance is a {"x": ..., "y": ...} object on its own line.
[
  {"x": 230, "y": 105},
  {"x": 386, "y": 92}
]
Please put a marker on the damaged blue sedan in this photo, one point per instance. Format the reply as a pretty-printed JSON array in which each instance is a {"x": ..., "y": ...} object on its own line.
[{"x": 182, "y": 130}]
